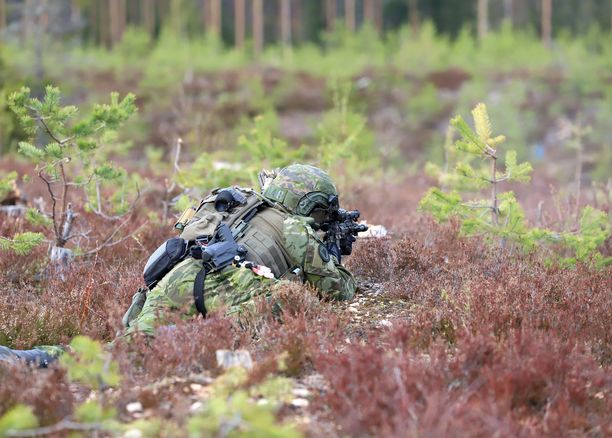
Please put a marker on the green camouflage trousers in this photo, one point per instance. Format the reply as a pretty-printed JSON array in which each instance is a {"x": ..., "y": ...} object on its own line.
[{"x": 230, "y": 288}]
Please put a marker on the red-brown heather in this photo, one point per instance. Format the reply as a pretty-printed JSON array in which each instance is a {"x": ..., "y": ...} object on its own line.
[{"x": 446, "y": 336}]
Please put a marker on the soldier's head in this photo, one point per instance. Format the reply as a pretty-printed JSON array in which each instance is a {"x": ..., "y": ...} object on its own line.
[{"x": 304, "y": 190}]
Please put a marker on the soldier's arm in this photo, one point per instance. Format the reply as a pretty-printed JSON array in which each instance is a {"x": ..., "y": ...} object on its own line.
[{"x": 320, "y": 268}]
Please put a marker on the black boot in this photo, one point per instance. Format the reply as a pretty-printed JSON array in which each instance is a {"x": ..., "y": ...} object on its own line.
[{"x": 39, "y": 358}]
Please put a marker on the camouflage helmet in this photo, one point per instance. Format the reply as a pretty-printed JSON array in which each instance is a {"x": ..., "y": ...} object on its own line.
[{"x": 301, "y": 188}]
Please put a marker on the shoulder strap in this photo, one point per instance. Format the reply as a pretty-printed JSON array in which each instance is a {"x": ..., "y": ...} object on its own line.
[
  {"x": 198, "y": 291},
  {"x": 198, "y": 284}
]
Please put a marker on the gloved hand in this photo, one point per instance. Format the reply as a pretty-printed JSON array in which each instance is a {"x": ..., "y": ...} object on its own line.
[
  {"x": 346, "y": 245},
  {"x": 332, "y": 249}
]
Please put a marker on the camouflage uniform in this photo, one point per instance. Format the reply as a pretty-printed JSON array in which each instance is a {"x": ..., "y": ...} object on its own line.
[
  {"x": 232, "y": 287},
  {"x": 280, "y": 237}
]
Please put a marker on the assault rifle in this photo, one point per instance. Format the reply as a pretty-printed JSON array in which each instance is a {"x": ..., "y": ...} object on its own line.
[{"x": 341, "y": 229}]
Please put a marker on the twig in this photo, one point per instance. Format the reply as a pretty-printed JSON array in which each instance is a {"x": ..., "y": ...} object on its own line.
[
  {"x": 103, "y": 215},
  {"x": 68, "y": 223},
  {"x": 54, "y": 202},
  {"x": 108, "y": 242},
  {"x": 494, "y": 210},
  {"x": 63, "y": 217},
  {"x": 176, "y": 168},
  {"x": 54, "y": 428}
]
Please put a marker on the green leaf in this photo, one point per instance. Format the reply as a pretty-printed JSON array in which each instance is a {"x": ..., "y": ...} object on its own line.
[
  {"x": 89, "y": 364},
  {"x": 93, "y": 412},
  {"x": 18, "y": 418},
  {"x": 22, "y": 243},
  {"x": 482, "y": 122},
  {"x": 37, "y": 219},
  {"x": 108, "y": 172},
  {"x": 441, "y": 205},
  {"x": 514, "y": 172},
  {"x": 7, "y": 184},
  {"x": 86, "y": 144},
  {"x": 30, "y": 151},
  {"x": 471, "y": 141},
  {"x": 54, "y": 150}
]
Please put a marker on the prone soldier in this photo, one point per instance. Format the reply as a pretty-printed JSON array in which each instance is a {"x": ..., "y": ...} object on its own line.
[{"x": 239, "y": 244}]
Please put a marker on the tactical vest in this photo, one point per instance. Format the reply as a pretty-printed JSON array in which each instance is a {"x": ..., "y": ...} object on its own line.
[
  {"x": 262, "y": 235},
  {"x": 255, "y": 224}
]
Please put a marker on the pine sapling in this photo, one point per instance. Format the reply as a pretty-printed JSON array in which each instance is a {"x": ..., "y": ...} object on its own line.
[
  {"x": 73, "y": 159},
  {"x": 501, "y": 216}
]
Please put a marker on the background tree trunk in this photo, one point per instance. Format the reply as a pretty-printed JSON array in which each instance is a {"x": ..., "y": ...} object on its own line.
[
  {"x": 122, "y": 18},
  {"x": 239, "y": 23},
  {"x": 483, "y": 18},
  {"x": 297, "y": 29},
  {"x": 378, "y": 15},
  {"x": 148, "y": 15},
  {"x": 368, "y": 11},
  {"x": 413, "y": 11},
  {"x": 349, "y": 14},
  {"x": 75, "y": 13},
  {"x": 114, "y": 18},
  {"x": 28, "y": 18},
  {"x": 258, "y": 26},
  {"x": 546, "y": 22},
  {"x": 509, "y": 11},
  {"x": 331, "y": 14},
  {"x": 215, "y": 17},
  {"x": 2, "y": 14},
  {"x": 285, "y": 12},
  {"x": 104, "y": 21}
]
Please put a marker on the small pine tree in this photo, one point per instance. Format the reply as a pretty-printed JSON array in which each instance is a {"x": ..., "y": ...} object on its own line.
[
  {"x": 73, "y": 156},
  {"x": 500, "y": 217}
]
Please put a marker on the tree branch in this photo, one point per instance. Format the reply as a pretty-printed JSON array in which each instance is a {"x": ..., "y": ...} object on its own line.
[
  {"x": 54, "y": 428},
  {"x": 54, "y": 202},
  {"x": 109, "y": 240}
]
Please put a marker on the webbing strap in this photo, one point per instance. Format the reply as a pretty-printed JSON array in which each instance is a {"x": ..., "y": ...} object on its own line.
[
  {"x": 198, "y": 291},
  {"x": 198, "y": 284}
]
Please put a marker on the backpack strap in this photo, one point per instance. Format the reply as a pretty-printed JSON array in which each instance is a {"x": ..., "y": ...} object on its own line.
[
  {"x": 198, "y": 290},
  {"x": 237, "y": 229}
]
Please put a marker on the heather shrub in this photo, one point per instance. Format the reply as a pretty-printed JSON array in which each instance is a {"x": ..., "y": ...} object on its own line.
[
  {"x": 47, "y": 393},
  {"x": 481, "y": 387},
  {"x": 185, "y": 347}
]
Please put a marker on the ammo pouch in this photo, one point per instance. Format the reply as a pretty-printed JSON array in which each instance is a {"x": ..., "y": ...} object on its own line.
[{"x": 164, "y": 259}]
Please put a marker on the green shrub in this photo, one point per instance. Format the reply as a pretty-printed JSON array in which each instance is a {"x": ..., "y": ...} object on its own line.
[{"x": 501, "y": 218}]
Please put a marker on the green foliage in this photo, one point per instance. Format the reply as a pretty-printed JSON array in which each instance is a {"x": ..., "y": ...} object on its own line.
[
  {"x": 92, "y": 411},
  {"x": 344, "y": 138},
  {"x": 22, "y": 243},
  {"x": 594, "y": 230},
  {"x": 502, "y": 219},
  {"x": 18, "y": 418},
  {"x": 266, "y": 151},
  {"x": 89, "y": 364},
  {"x": 7, "y": 184},
  {"x": 77, "y": 151},
  {"x": 237, "y": 416},
  {"x": 233, "y": 411}
]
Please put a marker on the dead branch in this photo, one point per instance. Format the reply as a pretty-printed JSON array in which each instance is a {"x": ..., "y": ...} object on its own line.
[
  {"x": 98, "y": 211},
  {"x": 53, "y": 200},
  {"x": 108, "y": 242},
  {"x": 55, "y": 428}
]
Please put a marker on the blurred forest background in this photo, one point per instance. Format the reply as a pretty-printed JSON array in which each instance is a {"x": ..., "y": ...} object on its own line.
[{"x": 201, "y": 69}]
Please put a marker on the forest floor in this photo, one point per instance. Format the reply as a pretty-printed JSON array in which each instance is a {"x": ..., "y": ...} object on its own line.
[{"x": 445, "y": 334}]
